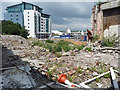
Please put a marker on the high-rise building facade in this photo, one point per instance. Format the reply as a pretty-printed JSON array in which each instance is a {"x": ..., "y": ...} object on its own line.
[{"x": 31, "y": 17}]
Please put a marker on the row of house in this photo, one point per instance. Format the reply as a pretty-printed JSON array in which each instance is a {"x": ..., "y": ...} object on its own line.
[
  {"x": 105, "y": 18},
  {"x": 32, "y": 18}
]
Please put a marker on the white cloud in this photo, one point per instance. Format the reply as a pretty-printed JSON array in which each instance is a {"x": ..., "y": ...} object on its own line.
[{"x": 74, "y": 24}]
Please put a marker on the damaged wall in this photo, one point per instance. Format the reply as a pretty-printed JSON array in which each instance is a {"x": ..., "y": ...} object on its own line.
[
  {"x": 107, "y": 18},
  {"x": 100, "y": 24},
  {"x": 111, "y": 17}
]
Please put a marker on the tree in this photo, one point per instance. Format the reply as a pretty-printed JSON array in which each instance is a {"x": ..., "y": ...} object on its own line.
[
  {"x": 24, "y": 33},
  {"x": 10, "y": 28}
]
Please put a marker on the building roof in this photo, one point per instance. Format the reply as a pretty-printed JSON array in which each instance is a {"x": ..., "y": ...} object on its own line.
[
  {"x": 26, "y": 3},
  {"x": 68, "y": 30},
  {"x": 57, "y": 32}
]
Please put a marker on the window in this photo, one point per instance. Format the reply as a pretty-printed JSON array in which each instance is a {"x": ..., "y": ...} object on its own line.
[
  {"x": 28, "y": 27},
  {"x": 28, "y": 19},
  {"x": 16, "y": 19},
  {"x": 11, "y": 15},
  {"x": 11, "y": 18},
  {"x": 28, "y": 12},
  {"x": 28, "y": 23},
  {"x": 28, "y": 16},
  {"x": 17, "y": 15}
]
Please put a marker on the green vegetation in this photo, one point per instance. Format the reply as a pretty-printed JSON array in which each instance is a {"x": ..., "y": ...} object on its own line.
[
  {"x": 109, "y": 42},
  {"x": 80, "y": 47},
  {"x": 92, "y": 69},
  {"x": 57, "y": 47},
  {"x": 49, "y": 72},
  {"x": 95, "y": 38},
  {"x": 66, "y": 48},
  {"x": 58, "y": 54},
  {"x": 62, "y": 42},
  {"x": 107, "y": 75},
  {"x": 49, "y": 41},
  {"x": 97, "y": 79},
  {"x": 10, "y": 28},
  {"x": 79, "y": 70},
  {"x": 88, "y": 49},
  {"x": 72, "y": 54},
  {"x": 70, "y": 78},
  {"x": 99, "y": 2}
]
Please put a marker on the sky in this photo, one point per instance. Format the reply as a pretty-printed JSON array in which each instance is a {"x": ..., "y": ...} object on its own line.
[{"x": 72, "y": 15}]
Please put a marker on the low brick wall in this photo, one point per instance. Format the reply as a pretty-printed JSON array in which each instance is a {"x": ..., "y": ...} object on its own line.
[{"x": 76, "y": 42}]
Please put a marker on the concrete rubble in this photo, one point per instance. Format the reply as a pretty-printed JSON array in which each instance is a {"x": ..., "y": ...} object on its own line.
[{"x": 40, "y": 62}]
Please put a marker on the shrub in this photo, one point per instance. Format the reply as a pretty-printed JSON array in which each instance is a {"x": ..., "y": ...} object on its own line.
[
  {"x": 110, "y": 42},
  {"x": 66, "y": 48},
  {"x": 49, "y": 41}
]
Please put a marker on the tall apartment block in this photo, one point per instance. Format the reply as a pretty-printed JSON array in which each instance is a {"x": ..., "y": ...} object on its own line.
[{"x": 31, "y": 17}]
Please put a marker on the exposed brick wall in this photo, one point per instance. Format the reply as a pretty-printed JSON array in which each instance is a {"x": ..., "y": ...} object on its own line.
[{"x": 111, "y": 17}]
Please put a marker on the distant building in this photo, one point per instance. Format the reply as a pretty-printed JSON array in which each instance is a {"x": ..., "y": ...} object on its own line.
[
  {"x": 31, "y": 17},
  {"x": 76, "y": 34},
  {"x": 105, "y": 18},
  {"x": 56, "y": 32},
  {"x": 68, "y": 31}
]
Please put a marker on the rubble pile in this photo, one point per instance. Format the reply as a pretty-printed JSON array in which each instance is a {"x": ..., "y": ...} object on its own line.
[{"x": 78, "y": 65}]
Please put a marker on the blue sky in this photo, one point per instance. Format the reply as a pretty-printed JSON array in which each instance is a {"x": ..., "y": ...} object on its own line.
[{"x": 73, "y": 15}]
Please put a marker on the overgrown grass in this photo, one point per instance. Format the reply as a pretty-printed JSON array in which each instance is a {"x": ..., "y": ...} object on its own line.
[
  {"x": 66, "y": 48},
  {"x": 57, "y": 47},
  {"x": 80, "y": 47},
  {"x": 49, "y": 41}
]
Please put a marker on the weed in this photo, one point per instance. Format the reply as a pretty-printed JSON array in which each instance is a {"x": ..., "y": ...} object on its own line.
[
  {"x": 92, "y": 69},
  {"x": 88, "y": 49},
  {"x": 107, "y": 75},
  {"x": 72, "y": 54},
  {"x": 49, "y": 72},
  {"x": 70, "y": 78},
  {"x": 79, "y": 70},
  {"x": 97, "y": 79},
  {"x": 58, "y": 54},
  {"x": 95, "y": 38}
]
